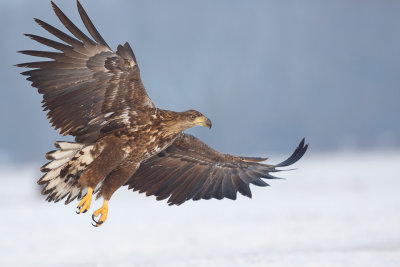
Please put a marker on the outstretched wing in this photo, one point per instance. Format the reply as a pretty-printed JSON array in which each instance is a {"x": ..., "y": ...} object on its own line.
[
  {"x": 189, "y": 169},
  {"x": 85, "y": 85}
]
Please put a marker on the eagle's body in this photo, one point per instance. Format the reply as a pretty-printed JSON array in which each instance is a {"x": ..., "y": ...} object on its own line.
[
  {"x": 147, "y": 134},
  {"x": 97, "y": 95}
]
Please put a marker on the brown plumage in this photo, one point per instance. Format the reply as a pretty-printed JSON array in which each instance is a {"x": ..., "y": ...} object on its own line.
[{"x": 97, "y": 96}]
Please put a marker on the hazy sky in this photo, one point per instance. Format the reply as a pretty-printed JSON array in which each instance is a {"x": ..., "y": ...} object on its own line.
[{"x": 267, "y": 73}]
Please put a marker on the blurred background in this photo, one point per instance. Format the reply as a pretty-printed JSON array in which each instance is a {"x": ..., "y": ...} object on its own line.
[{"x": 267, "y": 73}]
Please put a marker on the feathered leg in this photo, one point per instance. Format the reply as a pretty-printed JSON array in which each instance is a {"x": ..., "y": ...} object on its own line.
[
  {"x": 114, "y": 180},
  {"x": 111, "y": 156}
]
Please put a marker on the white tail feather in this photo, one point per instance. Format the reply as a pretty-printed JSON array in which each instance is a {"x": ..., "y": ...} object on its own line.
[
  {"x": 64, "y": 170},
  {"x": 68, "y": 145},
  {"x": 50, "y": 175},
  {"x": 56, "y": 163},
  {"x": 59, "y": 154},
  {"x": 73, "y": 194}
]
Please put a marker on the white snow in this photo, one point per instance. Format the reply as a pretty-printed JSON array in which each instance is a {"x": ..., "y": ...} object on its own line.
[{"x": 335, "y": 210}]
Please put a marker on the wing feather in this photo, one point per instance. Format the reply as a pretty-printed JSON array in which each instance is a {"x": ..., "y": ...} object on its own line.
[
  {"x": 189, "y": 169},
  {"x": 90, "y": 27},
  {"x": 85, "y": 81},
  {"x": 228, "y": 188},
  {"x": 45, "y": 54},
  {"x": 60, "y": 34},
  {"x": 71, "y": 26},
  {"x": 48, "y": 42}
]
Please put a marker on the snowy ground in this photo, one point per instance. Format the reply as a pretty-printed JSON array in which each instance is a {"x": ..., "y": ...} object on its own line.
[{"x": 335, "y": 210}]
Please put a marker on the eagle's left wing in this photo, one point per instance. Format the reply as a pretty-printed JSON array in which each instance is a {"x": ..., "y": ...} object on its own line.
[
  {"x": 86, "y": 86},
  {"x": 189, "y": 169}
]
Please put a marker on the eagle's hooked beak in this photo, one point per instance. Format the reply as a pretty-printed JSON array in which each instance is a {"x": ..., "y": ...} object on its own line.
[
  {"x": 208, "y": 123},
  {"x": 203, "y": 121}
]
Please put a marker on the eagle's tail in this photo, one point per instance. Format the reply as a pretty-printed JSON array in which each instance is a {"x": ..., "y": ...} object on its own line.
[{"x": 64, "y": 169}]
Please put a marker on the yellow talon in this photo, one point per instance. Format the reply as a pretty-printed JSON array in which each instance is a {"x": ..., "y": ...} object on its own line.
[
  {"x": 84, "y": 205},
  {"x": 103, "y": 211}
]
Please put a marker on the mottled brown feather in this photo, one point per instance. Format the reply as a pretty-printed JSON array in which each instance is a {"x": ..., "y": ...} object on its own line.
[
  {"x": 86, "y": 80},
  {"x": 189, "y": 169}
]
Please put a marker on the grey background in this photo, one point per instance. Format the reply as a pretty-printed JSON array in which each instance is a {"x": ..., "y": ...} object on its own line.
[{"x": 267, "y": 73}]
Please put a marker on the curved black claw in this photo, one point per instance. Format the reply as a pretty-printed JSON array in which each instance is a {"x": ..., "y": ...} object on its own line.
[
  {"x": 78, "y": 210},
  {"x": 95, "y": 225},
  {"x": 98, "y": 223}
]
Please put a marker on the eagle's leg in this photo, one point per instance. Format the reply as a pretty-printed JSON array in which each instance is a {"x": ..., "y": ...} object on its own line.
[
  {"x": 114, "y": 180},
  {"x": 111, "y": 156},
  {"x": 84, "y": 205},
  {"x": 103, "y": 211}
]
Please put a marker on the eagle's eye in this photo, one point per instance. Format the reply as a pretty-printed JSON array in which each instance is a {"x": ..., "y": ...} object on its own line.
[{"x": 192, "y": 117}]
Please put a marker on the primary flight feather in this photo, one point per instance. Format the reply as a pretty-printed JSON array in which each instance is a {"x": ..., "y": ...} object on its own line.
[{"x": 121, "y": 138}]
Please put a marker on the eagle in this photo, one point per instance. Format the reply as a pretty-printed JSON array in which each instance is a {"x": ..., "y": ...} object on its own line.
[{"x": 96, "y": 95}]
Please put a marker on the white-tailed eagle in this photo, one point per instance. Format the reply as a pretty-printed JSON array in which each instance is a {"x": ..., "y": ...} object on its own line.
[{"x": 121, "y": 138}]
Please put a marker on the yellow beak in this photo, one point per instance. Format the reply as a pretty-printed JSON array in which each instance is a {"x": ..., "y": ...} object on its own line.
[{"x": 203, "y": 121}]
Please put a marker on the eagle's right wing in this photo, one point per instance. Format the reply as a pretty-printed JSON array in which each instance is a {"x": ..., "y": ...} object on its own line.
[
  {"x": 189, "y": 169},
  {"x": 86, "y": 85}
]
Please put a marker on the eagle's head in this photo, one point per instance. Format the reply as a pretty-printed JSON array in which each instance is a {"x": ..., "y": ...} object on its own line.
[
  {"x": 179, "y": 121},
  {"x": 192, "y": 118}
]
